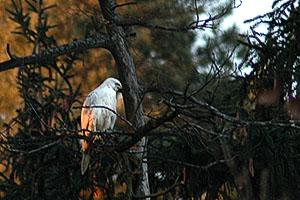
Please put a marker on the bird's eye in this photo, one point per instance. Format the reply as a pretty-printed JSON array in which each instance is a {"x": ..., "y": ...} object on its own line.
[{"x": 118, "y": 85}]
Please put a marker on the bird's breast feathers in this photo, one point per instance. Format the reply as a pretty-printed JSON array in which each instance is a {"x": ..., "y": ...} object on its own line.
[{"x": 102, "y": 117}]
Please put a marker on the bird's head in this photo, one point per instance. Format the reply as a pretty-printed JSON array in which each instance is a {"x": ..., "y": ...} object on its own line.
[{"x": 115, "y": 84}]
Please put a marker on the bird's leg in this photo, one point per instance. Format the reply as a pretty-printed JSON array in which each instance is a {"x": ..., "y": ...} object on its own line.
[{"x": 97, "y": 137}]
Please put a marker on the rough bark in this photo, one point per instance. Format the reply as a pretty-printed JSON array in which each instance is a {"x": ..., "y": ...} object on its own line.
[{"x": 128, "y": 78}]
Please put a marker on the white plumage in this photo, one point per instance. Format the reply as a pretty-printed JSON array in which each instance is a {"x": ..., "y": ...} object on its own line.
[{"x": 98, "y": 119}]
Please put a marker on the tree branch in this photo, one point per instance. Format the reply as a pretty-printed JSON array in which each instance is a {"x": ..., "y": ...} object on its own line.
[
  {"x": 37, "y": 149},
  {"x": 144, "y": 130},
  {"x": 124, "y": 4},
  {"x": 111, "y": 110},
  {"x": 186, "y": 164},
  {"x": 45, "y": 55},
  {"x": 215, "y": 111},
  {"x": 199, "y": 24}
]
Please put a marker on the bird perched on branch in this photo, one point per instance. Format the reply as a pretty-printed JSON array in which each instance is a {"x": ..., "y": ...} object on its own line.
[{"x": 98, "y": 114}]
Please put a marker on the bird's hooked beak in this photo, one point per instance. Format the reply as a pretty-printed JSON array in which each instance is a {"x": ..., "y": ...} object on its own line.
[{"x": 120, "y": 90}]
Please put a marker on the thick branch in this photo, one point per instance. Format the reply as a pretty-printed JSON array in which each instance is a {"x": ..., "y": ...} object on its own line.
[
  {"x": 78, "y": 45},
  {"x": 145, "y": 130}
]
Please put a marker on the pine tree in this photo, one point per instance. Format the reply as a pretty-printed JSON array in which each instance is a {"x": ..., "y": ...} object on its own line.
[
  {"x": 274, "y": 84},
  {"x": 201, "y": 134},
  {"x": 36, "y": 159}
]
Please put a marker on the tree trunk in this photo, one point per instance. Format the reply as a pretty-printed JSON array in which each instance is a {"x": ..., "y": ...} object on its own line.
[
  {"x": 241, "y": 176},
  {"x": 128, "y": 78}
]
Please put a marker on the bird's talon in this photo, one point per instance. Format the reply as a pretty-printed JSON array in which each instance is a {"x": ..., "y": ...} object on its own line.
[{"x": 97, "y": 137}]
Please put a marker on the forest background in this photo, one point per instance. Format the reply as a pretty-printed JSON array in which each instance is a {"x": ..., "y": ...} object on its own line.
[{"x": 212, "y": 131}]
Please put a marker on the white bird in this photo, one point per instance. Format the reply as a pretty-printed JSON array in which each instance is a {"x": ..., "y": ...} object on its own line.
[{"x": 100, "y": 118}]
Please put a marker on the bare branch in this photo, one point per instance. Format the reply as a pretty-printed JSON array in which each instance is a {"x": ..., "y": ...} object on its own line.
[
  {"x": 107, "y": 108},
  {"x": 45, "y": 55},
  {"x": 197, "y": 12},
  {"x": 124, "y": 4},
  {"x": 224, "y": 116},
  {"x": 186, "y": 164},
  {"x": 37, "y": 149},
  {"x": 164, "y": 28},
  {"x": 205, "y": 23},
  {"x": 144, "y": 131},
  {"x": 9, "y": 53}
]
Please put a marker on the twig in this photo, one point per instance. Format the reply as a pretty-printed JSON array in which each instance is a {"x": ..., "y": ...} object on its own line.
[
  {"x": 9, "y": 53},
  {"x": 175, "y": 184},
  {"x": 111, "y": 110},
  {"x": 124, "y": 4},
  {"x": 205, "y": 24},
  {"x": 197, "y": 12},
  {"x": 206, "y": 167},
  {"x": 222, "y": 115},
  {"x": 37, "y": 149},
  {"x": 9, "y": 126},
  {"x": 67, "y": 129}
]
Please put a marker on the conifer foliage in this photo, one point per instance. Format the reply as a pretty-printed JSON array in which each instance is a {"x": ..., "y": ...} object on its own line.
[
  {"x": 210, "y": 133},
  {"x": 40, "y": 163}
]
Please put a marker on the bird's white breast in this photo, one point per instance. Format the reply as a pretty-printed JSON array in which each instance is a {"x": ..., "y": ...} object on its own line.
[{"x": 102, "y": 118}]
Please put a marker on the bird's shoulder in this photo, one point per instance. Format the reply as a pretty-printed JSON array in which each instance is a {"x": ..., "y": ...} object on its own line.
[
  {"x": 101, "y": 95},
  {"x": 105, "y": 92},
  {"x": 91, "y": 99}
]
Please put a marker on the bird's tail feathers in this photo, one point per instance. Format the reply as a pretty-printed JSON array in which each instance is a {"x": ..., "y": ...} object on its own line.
[{"x": 85, "y": 161}]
